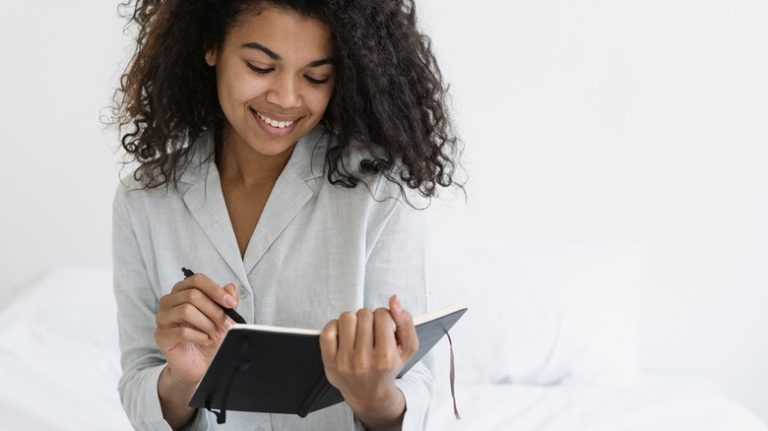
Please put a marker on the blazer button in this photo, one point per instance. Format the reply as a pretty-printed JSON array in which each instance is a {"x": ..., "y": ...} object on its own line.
[{"x": 242, "y": 292}]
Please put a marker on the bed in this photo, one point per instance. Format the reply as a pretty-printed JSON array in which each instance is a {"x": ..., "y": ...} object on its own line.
[{"x": 60, "y": 373}]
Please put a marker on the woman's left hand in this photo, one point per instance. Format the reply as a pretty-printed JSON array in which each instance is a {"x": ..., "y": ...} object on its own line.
[{"x": 362, "y": 354}]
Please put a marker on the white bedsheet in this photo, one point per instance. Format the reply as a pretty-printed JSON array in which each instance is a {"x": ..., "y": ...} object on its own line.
[
  {"x": 662, "y": 406},
  {"x": 59, "y": 366}
]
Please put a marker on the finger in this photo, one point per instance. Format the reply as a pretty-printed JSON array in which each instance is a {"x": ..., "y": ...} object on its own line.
[
  {"x": 363, "y": 339},
  {"x": 187, "y": 314},
  {"x": 329, "y": 341},
  {"x": 384, "y": 336},
  {"x": 407, "y": 340},
  {"x": 364, "y": 330},
  {"x": 167, "y": 338},
  {"x": 231, "y": 289},
  {"x": 209, "y": 287},
  {"x": 347, "y": 330},
  {"x": 394, "y": 308},
  {"x": 201, "y": 301}
]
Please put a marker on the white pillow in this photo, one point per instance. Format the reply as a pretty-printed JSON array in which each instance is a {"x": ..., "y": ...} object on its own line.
[
  {"x": 539, "y": 312},
  {"x": 59, "y": 354},
  {"x": 74, "y": 302}
]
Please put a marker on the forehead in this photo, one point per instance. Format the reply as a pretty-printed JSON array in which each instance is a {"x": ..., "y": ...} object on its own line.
[{"x": 287, "y": 32}]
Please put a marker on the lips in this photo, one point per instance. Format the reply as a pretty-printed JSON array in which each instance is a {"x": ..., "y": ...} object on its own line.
[
  {"x": 276, "y": 121},
  {"x": 288, "y": 123}
]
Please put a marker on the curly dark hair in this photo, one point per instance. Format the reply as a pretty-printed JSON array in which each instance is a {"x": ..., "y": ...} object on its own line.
[{"x": 388, "y": 93}]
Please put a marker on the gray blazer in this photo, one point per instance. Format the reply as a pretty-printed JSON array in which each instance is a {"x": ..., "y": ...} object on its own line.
[{"x": 317, "y": 250}]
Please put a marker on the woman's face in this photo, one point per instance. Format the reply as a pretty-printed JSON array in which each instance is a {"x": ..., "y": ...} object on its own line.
[{"x": 274, "y": 77}]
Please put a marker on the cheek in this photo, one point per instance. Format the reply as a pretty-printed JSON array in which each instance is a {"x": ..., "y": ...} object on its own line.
[
  {"x": 237, "y": 89},
  {"x": 318, "y": 100}
]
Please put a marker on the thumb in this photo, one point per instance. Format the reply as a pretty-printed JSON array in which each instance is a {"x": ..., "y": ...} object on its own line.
[
  {"x": 405, "y": 332},
  {"x": 232, "y": 291},
  {"x": 395, "y": 308}
]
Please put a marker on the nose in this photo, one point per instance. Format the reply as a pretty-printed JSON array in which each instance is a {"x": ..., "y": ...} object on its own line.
[{"x": 284, "y": 93}]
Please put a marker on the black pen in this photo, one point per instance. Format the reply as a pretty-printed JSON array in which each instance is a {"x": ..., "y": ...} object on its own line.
[{"x": 228, "y": 311}]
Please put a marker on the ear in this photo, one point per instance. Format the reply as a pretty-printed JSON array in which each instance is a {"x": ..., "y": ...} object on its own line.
[{"x": 210, "y": 57}]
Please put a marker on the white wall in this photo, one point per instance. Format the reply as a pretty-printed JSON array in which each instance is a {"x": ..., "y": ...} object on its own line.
[
  {"x": 59, "y": 64},
  {"x": 632, "y": 122}
]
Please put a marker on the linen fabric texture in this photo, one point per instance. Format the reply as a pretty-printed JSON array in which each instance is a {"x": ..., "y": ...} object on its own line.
[{"x": 318, "y": 250}]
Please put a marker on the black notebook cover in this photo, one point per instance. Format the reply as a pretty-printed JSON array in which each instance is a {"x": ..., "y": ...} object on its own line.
[{"x": 280, "y": 370}]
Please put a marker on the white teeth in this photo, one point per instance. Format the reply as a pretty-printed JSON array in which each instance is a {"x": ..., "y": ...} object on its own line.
[{"x": 274, "y": 123}]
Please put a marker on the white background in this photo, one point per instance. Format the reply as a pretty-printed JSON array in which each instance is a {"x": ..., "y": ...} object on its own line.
[{"x": 638, "y": 123}]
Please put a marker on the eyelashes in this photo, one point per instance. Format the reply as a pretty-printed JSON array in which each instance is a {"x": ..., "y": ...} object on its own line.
[
  {"x": 316, "y": 81},
  {"x": 258, "y": 69},
  {"x": 261, "y": 71}
]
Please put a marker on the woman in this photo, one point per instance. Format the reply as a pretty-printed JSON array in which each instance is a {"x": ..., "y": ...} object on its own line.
[{"x": 296, "y": 135}]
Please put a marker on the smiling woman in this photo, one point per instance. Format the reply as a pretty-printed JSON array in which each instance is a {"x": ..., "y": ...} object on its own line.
[
  {"x": 359, "y": 68},
  {"x": 244, "y": 107},
  {"x": 273, "y": 70}
]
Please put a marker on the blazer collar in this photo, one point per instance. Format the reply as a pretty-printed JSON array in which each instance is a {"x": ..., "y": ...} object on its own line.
[
  {"x": 294, "y": 187},
  {"x": 307, "y": 160}
]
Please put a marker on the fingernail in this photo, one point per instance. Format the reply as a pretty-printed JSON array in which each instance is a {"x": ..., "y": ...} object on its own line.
[
  {"x": 397, "y": 303},
  {"x": 229, "y": 322},
  {"x": 229, "y": 301}
]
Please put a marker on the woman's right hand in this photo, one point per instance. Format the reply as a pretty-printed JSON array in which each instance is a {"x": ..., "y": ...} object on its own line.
[{"x": 191, "y": 325}]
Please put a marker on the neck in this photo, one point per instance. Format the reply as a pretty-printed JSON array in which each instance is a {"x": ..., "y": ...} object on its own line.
[{"x": 241, "y": 166}]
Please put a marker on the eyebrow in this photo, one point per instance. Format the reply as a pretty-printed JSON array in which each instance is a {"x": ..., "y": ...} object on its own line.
[{"x": 276, "y": 56}]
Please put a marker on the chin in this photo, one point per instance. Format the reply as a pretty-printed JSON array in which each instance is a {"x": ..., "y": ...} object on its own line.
[{"x": 270, "y": 146}]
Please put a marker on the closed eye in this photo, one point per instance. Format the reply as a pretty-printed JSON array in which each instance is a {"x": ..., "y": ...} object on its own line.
[
  {"x": 316, "y": 81},
  {"x": 258, "y": 69},
  {"x": 265, "y": 71}
]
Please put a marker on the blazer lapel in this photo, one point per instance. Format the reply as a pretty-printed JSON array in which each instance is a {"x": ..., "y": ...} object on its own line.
[
  {"x": 205, "y": 200},
  {"x": 289, "y": 195}
]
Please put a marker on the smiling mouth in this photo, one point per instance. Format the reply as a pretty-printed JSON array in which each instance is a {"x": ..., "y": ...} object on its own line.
[
  {"x": 273, "y": 127},
  {"x": 278, "y": 124}
]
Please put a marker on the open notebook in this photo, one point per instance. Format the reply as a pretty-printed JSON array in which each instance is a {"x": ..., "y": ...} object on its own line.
[{"x": 271, "y": 369}]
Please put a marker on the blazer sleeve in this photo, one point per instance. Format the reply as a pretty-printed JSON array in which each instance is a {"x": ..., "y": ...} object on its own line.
[
  {"x": 137, "y": 305},
  {"x": 396, "y": 264}
]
